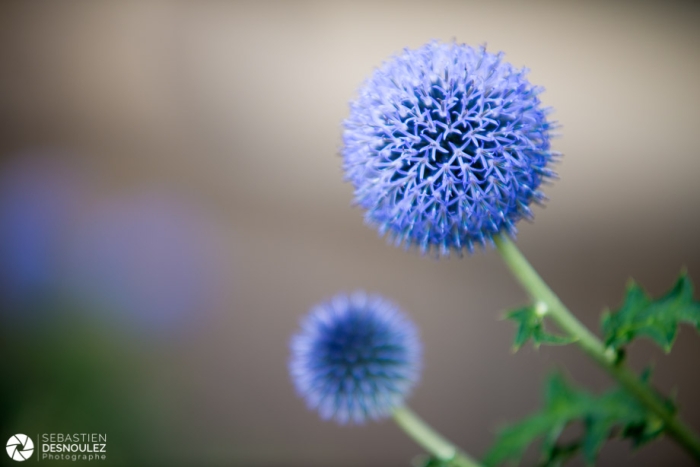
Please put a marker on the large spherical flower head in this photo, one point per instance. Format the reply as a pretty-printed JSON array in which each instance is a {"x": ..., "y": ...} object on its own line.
[
  {"x": 446, "y": 146},
  {"x": 355, "y": 358}
]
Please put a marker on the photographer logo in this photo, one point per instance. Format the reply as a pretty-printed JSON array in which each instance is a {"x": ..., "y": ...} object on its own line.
[
  {"x": 20, "y": 447},
  {"x": 75, "y": 447}
]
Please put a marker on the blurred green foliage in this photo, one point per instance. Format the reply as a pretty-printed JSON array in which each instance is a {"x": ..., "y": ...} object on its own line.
[
  {"x": 614, "y": 413},
  {"x": 63, "y": 373}
]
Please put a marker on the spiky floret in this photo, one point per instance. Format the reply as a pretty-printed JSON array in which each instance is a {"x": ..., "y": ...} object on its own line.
[
  {"x": 446, "y": 146},
  {"x": 355, "y": 358}
]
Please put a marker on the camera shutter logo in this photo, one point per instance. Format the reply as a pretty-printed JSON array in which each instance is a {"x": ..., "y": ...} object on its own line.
[{"x": 20, "y": 447}]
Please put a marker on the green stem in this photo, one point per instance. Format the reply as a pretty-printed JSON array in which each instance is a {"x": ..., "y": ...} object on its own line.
[
  {"x": 431, "y": 440},
  {"x": 593, "y": 346}
]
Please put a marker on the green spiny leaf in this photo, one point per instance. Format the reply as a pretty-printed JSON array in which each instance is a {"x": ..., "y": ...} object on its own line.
[
  {"x": 531, "y": 326},
  {"x": 600, "y": 416},
  {"x": 651, "y": 427},
  {"x": 597, "y": 431},
  {"x": 513, "y": 440},
  {"x": 560, "y": 454},
  {"x": 644, "y": 432},
  {"x": 657, "y": 320}
]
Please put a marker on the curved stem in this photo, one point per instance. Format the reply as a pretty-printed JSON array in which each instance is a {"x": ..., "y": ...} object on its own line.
[
  {"x": 431, "y": 440},
  {"x": 593, "y": 346}
]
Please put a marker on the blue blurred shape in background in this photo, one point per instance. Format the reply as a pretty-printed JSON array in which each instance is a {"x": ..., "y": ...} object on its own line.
[
  {"x": 39, "y": 200},
  {"x": 149, "y": 259},
  {"x": 145, "y": 260}
]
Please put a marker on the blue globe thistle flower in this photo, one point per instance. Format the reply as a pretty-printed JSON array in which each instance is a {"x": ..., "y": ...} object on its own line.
[
  {"x": 355, "y": 358},
  {"x": 446, "y": 147}
]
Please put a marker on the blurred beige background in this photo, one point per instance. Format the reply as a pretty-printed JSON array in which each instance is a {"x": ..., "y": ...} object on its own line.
[{"x": 238, "y": 106}]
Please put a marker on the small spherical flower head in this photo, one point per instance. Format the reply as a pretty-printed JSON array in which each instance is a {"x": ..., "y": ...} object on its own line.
[
  {"x": 356, "y": 358},
  {"x": 446, "y": 146}
]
